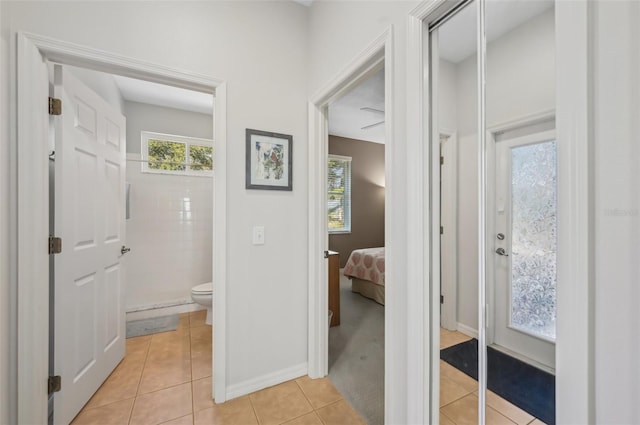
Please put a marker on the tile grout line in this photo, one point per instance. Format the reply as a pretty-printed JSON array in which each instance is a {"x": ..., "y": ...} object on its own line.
[
  {"x": 255, "y": 414},
  {"x": 144, "y": 365}
]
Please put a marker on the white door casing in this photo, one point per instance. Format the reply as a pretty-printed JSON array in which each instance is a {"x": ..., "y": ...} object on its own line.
[
  {"x": 89, "y": 339},
  {"x": 506, "y": 332},
  {"x": 449, "y": 234},
  {"x": 31, "y": 142}
]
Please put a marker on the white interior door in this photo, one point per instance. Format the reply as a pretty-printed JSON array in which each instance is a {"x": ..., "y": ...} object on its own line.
[
  {"x": 525, "y": 246},
  {"x": 89, "y": 337}
]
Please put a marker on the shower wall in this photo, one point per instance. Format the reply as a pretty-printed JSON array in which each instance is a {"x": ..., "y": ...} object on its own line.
[{"x": 170, "y": 229}]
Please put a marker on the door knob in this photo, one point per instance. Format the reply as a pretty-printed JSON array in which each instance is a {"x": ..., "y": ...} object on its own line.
[
  {"x": 501, "y": 251},
  {"x": 124, "y": 250}
]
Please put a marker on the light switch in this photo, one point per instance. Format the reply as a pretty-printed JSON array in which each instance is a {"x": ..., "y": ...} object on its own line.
[{"x": 258, "y": 235}]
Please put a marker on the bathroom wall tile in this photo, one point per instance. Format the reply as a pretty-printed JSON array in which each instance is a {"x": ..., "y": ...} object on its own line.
[{"x": 161, "y": 232}]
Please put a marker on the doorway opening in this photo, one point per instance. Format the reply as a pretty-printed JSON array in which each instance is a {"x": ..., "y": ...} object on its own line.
[
  {"x": 34, "y": 54},
  {"x": 356, "y": 229},
  {"x": 376, "y": 57},
  {"x": 139, "y": 277}
]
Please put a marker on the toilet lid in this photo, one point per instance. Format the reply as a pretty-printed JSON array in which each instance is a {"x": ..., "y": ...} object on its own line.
[{"x": 205, "y": 288}]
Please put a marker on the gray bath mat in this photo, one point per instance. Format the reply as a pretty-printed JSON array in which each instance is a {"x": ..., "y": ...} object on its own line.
[{"x": 153, "y": 325}]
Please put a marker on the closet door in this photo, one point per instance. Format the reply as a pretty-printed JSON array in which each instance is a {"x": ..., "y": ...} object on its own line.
[{"x": 521, "y": 209}]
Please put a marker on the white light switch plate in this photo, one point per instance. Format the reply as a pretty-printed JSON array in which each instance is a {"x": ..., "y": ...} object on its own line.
[{"x": 258, "y": 235}]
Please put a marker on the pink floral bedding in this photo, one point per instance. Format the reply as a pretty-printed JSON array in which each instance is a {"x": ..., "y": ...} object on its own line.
[{"x": 366, "y": 264}]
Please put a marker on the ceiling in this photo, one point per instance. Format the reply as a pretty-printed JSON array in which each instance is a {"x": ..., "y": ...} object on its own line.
[
  {"x": 457, "y": 41},
  {"x": 140, "y": 91},
  {"x": 457, "y": 36},
  {"x": 346, "y": 116}
]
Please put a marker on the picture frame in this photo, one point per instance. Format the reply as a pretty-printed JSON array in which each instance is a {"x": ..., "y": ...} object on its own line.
[{"x": 269, "y": 160}]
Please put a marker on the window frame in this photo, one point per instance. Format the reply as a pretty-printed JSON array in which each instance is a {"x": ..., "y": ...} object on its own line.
[
  {"x": 145, "y": 136},
  {"x": 347, "y": 195}
]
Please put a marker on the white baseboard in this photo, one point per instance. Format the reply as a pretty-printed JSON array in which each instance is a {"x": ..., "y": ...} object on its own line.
[
  {"x": 146, "y": 312},
  {"x": 468, "y": 331},
  {"x": 265, "y": 381}
]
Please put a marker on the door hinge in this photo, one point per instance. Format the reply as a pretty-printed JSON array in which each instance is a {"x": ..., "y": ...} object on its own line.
[
  {"x": 55, "y": 245},
  {"x": 54, "y": 384},
  {"x": 442, "y": 160},
  {"x": 442, "y": 230},
  {"x": 55, "y": 106},
  {"x": 441, "y": 299}
]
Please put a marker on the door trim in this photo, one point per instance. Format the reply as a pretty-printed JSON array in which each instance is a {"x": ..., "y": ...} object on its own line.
[
  {"x": 377, "y": 54},
  {"x": 32, "y": 279},
  {"x": 449, "y": 309}
]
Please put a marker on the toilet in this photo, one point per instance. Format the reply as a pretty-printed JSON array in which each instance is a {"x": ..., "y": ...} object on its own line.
[{"x": 203, "y": 295}]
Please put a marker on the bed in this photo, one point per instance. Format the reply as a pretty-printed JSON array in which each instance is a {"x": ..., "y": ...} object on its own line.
[{"x": 365, "y": 268}]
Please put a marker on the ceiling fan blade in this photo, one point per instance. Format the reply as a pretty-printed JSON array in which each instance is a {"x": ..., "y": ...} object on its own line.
[{"x": 372, "y": 125}]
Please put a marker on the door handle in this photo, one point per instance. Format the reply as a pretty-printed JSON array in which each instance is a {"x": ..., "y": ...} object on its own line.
[
  {"x": 501, "y": 251},
  {"x": 124, "y": 250}
]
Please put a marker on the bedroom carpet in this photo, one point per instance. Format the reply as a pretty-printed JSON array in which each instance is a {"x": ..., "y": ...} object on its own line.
[
  {"x": 152, "y": 325},
  {"x": 356, "y": 353}
]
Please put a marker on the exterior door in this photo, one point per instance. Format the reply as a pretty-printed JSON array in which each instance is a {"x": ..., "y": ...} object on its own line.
[
  {"x": 525, "y": 246},
  {"x": 89, "y": 339}
]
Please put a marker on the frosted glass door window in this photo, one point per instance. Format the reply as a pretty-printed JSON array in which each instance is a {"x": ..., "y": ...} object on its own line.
[
  {"x": 524, "y": 246},
  {"x": 533, "y": 238}
]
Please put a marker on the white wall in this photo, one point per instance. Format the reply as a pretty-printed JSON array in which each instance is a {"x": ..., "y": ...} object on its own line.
[
  {"x": 616, "y": 91},
  {"x": 520, "y": 82},
  {"x": 145, "y": 117},
  {"x": 260, "y": 50},
  {"x": 447, "y": 96},
  {"x": 170, "y": 237}
]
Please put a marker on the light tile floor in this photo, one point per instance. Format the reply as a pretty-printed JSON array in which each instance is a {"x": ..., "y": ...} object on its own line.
[
  {"x": 166, "y": 378},
  {"x": 459, "y": 395}
]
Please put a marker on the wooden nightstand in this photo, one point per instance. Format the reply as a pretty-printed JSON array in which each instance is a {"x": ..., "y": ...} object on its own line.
[{"x": 334, "y": 286}]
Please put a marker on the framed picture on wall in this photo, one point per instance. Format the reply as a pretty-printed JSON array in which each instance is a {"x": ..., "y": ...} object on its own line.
[{"x": 269, "y": 162}]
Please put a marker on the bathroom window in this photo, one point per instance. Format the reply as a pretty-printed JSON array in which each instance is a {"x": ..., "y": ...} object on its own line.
[
  {"x": 170, "y": 154},
  {"x": 339, "y": 194}
]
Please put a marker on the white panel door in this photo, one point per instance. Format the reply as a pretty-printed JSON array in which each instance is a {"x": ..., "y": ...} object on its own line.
[
  {"x": 89, "y": 339},
  {"x": 525, "y": 246}
]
